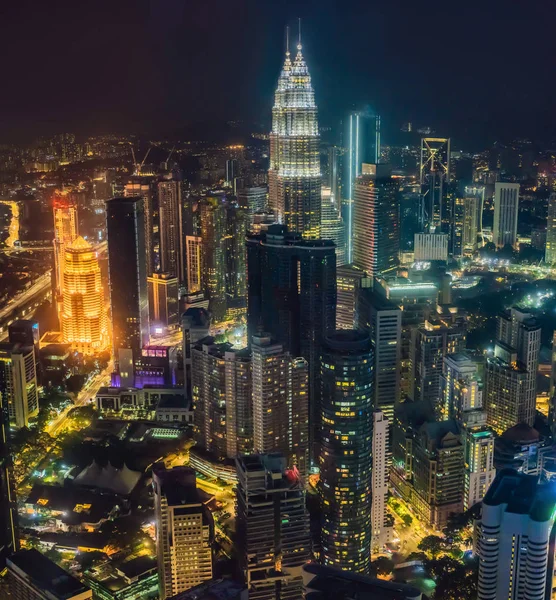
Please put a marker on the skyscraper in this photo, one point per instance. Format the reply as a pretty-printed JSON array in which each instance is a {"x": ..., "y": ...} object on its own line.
[
  {"x": 348, "y": 281},
  {"x": 194, "y": 246},
  {"x": 128, "y": 282},
  {"x": 255, "y": 198},
  {"x": 272, "y": 525},
  {"x": 18, "y": 383},
  {"x": 170, "y": 215},
  {"x": 345, "y": 457},
  {"x": 550, "y": 252},
  {"x": 471, "y": 219},
  {"x": 479, "y": 464},
  {"x": 144, "y": 186},
  {"x": 280, "y": 402},
  {"x": 516, "y": 538},
  {"x": 506, "y": 211},
  {"x": 292, "y": 295},
  {"x": 83, "y": 316},
  {"x": 376, "y": 235},
  {"x": 363, "y": 135},
  {"x": 222, "y": 398},
  {"x": 294, "y": 176},
  {"x": 65, "y": 232},
  {"x": 184, "y": 531},
  {"x": 332, "y": 225},
  {"x": 461, "y": 386},
  {"x": 163, "y": 302},
  {"x": 435, "y": 179},
  {"x": 381, "y": 530}
]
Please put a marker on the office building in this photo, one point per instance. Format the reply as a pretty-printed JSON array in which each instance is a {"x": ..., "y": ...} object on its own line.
[
  {"x": 145, "y": 187},
  {"x": 456, "y": 225},
  {"x": 232, "y": 172},
  {"x": 345, "y": 457},
  {"x": 170, "y": 226},
  {"x": 511, "y": 375},
  {"x": 479, "y": 464},
  {"x": 335, "y": 177},
  {"x": 163, "y": 302},
  {"x": 294, "y": 175},
  {"x": 417, "y": 300},
  {"x": 523, "y": 449},
  {"x": 550, "y": 251},
  {"x": 280, "y": 402},
  {"x": 443, "y": 333},
  {"x": 237, "y": 226},
  {"x": 194, "y": 254},
  {"x": 255, "y": 198},
  {"x": 66, "y": 227},
  {"x": 348, "y": 281},
  {"x": 83, "y": 318},
  {"x": 332, "y": 225},
  {"x": 472, "y": 205},
  {"x": 18, "y": 383},
  {"x": 461, "y": 386},
  {"x": 128, "y": 283},
  {"x": 438, "y": 472},
  {"x": 26, "y": 332},
  {"x": 292, "y": 296},
  {"x": 383, "y": 320},
  {"x": 363, "y": 137},
  {"x": 434, "y": 175},
  {"x": 516, "y": 539},
  {"x": 195, "y": 325},
  {"x": 506, "y": 211},
  {"x": 376, "y": 235},
  {"x": 184, "y": 530},
  {"x": 326, "y": 583},
  {"x": 221, "y": 393},
  {"x": 272, "y": 525},
  {"x": 32, "y": 576},
  {"x": 382, "y": 532},
  {"x": 431, "y": 246}
]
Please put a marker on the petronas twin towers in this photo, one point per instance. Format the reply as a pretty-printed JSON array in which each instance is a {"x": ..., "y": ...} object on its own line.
[{"x": 294, "y": 175}]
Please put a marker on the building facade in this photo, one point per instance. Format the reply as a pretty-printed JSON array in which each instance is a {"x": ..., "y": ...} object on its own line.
[
  {"x": 506, "y": 211},
  {"x": 382, "y": 532},
  {"x": 18, "y": 383}
]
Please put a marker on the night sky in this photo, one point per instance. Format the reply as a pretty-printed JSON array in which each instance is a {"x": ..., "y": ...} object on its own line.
[{"x": 477, "y": 70}]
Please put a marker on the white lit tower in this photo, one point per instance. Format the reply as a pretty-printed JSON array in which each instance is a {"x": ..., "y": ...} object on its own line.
[{"x": 294, "y": 175}]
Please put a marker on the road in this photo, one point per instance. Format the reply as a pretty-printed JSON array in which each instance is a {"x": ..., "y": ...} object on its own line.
[{"x": 88, "y": 392}]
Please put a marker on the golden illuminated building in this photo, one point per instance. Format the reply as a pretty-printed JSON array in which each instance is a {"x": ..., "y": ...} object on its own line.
[
  {"x": 82, "y": 315},
  {"x": 65, "y": 233}
]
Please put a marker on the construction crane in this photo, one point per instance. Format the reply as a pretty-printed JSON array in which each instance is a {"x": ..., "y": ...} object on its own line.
[{"x": 137, "y": 167}]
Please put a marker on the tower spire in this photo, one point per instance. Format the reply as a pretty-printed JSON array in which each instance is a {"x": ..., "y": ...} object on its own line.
[
  {"x": 287, "y": 40},
  {"x": 299, "y": 35}
]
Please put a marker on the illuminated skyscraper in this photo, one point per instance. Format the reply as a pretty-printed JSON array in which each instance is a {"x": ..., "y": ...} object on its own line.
[
  {"x": 435, "y": 178},
  {"x": 83, "y": 317},
  {"x": 65, "y": 233},
  {"x": 171, "y": 233},
  {"x": 506, "y": 210},
  {"x": 345, "y": 456},
  {"x": 129, "y": 305},
  {"x": 144, "y": 186},
  {"x": 332, "y": 225},
  {"x": 381, "y": 530},
  {"x": 550, "y": 252},
  {"x": 363, "y": 135},
  {"x": 18, "y": 383},
  {"x": 376, "y": 235},
  {"x": 471, "y": 219},
  {"x": 479, "y": 471},
  {"x": 194, "y": 249},
  {"x": 163, "y": 302},
  {"x": 294, "y": 176}
]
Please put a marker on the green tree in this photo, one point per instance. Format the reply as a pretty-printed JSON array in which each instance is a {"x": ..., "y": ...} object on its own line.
[
  {"x": 407, "y": 519},
  {"x": 382, "y": 566},
  {"x": 432, "y": 545}
]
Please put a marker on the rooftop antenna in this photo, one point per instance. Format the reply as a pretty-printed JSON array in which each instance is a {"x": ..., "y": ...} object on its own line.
[
  {"x": 299, "y": 36},
  {"x": 287, "y": 40}
]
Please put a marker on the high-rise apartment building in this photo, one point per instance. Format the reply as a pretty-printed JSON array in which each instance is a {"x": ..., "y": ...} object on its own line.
[
  {"x": 382, "y": 532},
  {"x": 461, "y": 386},
  {"x": 83, "y": 317},
  {"x": 345, "y": 456},
  {"x": 511, "y": 375},
  {"x": 443, "y": 333},
  {"x": 18, "y": 383},
  {"x": 471, "y": 219},
  {"x": 479, "y": 471},
  {"x": 363, "y": 136},
  {"x": 128, "y": 283},
  {"x": 170, "y": 225},
  {"x": 255, "y": 198},
  {"x": 550, "y": 249},
  {"x": 292, "y": 295},
  {"x": 435, "y": 178},
  {"x": 294, "y": 176},
  {"x": 280, "y": 402},
  {"x": 516, "y": 539},
  {"x": 32, "y": 576},
  {"x": 145, "y": 187},
  {"x": 222, "y": 404},
  {"x": 506, "y": 211},
  {"x": 272, "y": 525},
  {"x": 194, "y": 254},
  {"x": 376, "y": 235},
  {"x": 348, "y": 281},
  {"x": 332, "y": 225},
  {"x": 66, "y": 227},
  {"x": 184, "y": 531}
]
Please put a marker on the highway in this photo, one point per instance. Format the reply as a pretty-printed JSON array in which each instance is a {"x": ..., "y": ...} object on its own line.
[{"x": 88, "y": 393}]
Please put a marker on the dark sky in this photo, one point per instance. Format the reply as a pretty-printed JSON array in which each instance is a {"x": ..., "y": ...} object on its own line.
[{"x": 475, "y": 69}]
